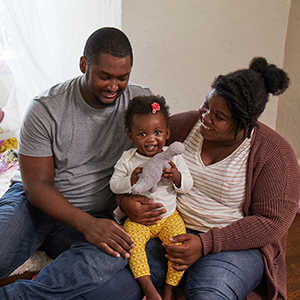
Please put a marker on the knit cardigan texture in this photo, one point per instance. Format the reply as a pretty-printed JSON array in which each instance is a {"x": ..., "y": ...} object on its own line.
[{"x": 272, "y": 197}]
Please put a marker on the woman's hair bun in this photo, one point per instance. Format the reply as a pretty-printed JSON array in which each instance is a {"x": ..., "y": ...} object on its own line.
[
  {"x": 276, "y": 80},
  {"x": 258, "y": 64}
]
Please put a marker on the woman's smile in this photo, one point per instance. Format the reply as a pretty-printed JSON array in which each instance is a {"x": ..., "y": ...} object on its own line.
[{"x": 206, "y": 128}]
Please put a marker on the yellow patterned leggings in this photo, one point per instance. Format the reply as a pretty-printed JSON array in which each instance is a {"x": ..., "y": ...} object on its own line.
[{"x": 140, "y": 234}]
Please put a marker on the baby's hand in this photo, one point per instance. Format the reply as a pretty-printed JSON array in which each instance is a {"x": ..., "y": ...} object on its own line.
[
  {"x": 173, "y": 174},
  {"x": 134, "y": 176}
]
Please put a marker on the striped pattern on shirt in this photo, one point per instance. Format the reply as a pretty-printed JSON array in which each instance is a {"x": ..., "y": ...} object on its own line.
[{"x": 219, "y": 189}]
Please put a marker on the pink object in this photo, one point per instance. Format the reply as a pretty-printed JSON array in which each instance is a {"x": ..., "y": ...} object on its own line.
[
  {"x": 6, "y": 167},
  {"x": 155, "y": 107}
]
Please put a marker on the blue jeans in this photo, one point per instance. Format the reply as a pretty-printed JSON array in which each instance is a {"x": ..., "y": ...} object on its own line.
[
  {"x": 78, "y": 267},
  {"x": 124, "y": 286},
  {"x": 227, "y": 275}
]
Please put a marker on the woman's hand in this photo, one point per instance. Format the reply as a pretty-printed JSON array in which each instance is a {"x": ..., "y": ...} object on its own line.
[
  {"x": 184, "y": 255},
  {"x": 142, "y": 210}
]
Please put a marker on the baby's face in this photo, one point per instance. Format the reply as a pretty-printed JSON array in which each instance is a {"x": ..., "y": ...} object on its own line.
[{"x": 149, "y": 133}]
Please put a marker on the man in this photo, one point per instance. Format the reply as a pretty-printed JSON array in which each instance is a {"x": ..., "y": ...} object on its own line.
[{"x": 71, "y": 137}]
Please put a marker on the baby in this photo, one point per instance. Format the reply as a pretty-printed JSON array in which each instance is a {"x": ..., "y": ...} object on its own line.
[{"x": 146, "y": 119}]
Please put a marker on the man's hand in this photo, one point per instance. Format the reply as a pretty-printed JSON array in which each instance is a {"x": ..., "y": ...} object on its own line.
[
  {"x": 184, "y": 255},
  {"x": 142, "y": 210},
  {"x": 110, "y": 237}
]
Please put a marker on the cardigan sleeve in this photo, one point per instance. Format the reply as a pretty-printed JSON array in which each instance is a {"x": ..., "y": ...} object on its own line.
[{"x": 181, "y": 125}]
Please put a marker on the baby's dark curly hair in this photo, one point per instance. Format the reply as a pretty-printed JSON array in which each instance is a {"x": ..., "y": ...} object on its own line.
[
  {"x": 141, "y": 105},
  {"x": 247, "y": 91}
]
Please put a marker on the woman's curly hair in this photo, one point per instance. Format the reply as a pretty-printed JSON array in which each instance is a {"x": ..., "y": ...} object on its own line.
[{"x": 247, "y": 91}]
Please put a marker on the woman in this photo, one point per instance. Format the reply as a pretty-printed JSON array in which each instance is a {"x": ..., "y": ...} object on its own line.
[{"x": 245, "y": 194}]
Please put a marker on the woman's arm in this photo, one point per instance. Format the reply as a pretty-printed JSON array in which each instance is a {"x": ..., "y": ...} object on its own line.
[
  {"x": 272, "y": 195},
  {"x": 274, "y": 202}
]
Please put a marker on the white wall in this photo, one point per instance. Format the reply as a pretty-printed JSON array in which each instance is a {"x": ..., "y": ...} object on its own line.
[
  {"x": 77, "y": 20},
  {"x": 288, "y": 117},
  {"x": 181, "y": 46}
]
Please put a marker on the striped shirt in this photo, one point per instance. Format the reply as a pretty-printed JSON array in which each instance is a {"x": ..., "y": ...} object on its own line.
[{"x": 218, "y": 192}]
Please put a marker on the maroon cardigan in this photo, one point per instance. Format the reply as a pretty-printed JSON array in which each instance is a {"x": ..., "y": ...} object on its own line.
[{"x": 272, "y": 196}]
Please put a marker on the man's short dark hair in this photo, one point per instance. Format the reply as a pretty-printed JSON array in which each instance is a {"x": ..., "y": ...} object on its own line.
[{"x": 108, "y": 40}]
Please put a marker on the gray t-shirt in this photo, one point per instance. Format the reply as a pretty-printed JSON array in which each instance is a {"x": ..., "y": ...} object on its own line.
[{"x": 85, "y": 142}]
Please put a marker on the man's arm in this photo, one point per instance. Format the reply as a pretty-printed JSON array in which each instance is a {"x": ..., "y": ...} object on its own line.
[{"x": 38, "y": 177}]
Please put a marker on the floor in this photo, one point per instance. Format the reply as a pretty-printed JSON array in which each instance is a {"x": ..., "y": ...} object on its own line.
[{"x": 292, "y": 261}]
